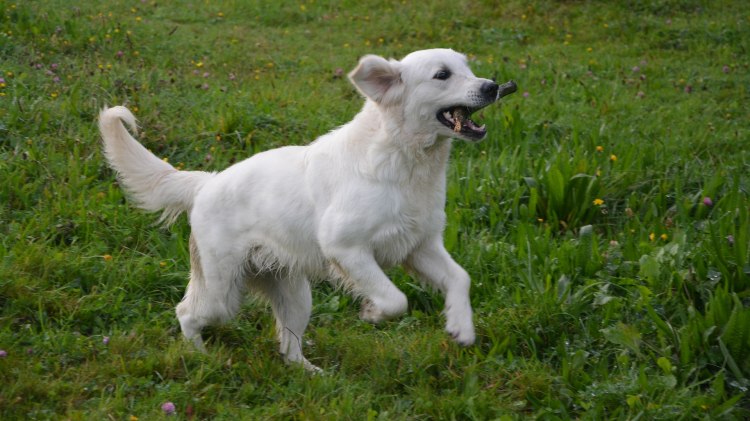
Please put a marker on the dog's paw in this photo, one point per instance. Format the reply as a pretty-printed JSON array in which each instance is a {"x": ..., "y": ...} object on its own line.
[
  {"x": 304, "y": 363},
  {"x": 463, "y": 334},
  {"x": 465, "y": 337},
  {"x": 312, "y": 368},
  {"x": 370, "y": 313},
  {"x": 380, "y": 309},
  {"x": 197, "y": 343},
  {"x": 458, "y": 321}
]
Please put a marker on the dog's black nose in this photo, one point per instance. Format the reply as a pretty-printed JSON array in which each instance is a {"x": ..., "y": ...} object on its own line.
[{"x": 489, "y": 90}]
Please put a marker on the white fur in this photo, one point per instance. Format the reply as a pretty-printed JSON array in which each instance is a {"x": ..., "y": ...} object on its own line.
[{"x": 364, "y": 197}]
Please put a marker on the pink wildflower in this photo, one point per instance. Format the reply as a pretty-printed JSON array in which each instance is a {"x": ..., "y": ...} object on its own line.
[{"x": 168, "y": 407}]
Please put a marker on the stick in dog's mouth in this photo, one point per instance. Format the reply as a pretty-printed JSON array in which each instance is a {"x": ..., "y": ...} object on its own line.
[
  {"x": 506, "y": 88},
  {"x": 458, "y": 119},
  {"x": 458, "y": 116}
]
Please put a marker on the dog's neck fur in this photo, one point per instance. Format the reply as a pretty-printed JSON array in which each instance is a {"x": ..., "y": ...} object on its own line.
[{"x": 392, "y": 146}]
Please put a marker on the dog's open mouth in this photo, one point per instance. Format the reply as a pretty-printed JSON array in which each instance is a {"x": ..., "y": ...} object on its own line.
[{"x": 457, "y": 119}]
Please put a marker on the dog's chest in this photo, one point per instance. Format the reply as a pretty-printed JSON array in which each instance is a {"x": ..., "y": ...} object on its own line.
[{"x": 405, "y": 217}]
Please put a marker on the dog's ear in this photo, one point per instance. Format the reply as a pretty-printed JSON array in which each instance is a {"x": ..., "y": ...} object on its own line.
[{"x": 378, "y": 79}]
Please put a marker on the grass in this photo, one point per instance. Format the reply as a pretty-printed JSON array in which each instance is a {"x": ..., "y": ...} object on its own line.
[{"x": 605, "y": 220}]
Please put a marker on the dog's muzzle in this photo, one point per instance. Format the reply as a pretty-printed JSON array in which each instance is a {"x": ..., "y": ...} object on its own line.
[{"x": 489, "y": 91}]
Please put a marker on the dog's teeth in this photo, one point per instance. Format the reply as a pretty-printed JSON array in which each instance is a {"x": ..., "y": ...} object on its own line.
[{"x": 448, "y": 116}]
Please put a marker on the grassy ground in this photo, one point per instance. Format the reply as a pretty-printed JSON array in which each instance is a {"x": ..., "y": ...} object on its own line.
[{"x": 605, "y": 221}]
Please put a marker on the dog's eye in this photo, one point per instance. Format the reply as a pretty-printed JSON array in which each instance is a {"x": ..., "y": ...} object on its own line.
[{"x": 442, "y": 75}]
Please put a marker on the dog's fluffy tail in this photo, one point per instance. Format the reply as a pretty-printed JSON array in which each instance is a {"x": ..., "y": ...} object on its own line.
[{"x": 154, "y": 184}]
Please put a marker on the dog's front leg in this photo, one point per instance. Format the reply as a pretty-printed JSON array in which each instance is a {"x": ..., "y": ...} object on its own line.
[
  {"x": 361, "y": 272},
  {"x": 434, "y": 266}
]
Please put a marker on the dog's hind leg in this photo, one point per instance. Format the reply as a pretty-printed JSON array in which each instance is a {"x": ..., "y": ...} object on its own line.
[
  {"x": 214, "y": 294},
  {"x": 190, "y": 323},
  {"x": 291, "y": 300}
]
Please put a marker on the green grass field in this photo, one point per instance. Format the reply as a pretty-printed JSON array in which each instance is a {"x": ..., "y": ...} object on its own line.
[{"x": 605, "y": 221}]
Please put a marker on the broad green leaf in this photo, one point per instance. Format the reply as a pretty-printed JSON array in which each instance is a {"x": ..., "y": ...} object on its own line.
[{"x": 625, "y": 335}]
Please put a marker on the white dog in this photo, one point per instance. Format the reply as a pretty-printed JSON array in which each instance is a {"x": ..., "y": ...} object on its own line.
[{"x": 367, "y": 196}]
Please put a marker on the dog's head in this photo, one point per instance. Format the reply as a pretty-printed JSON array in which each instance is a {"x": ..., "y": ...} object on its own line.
[{"x": 433, "y": 91}]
